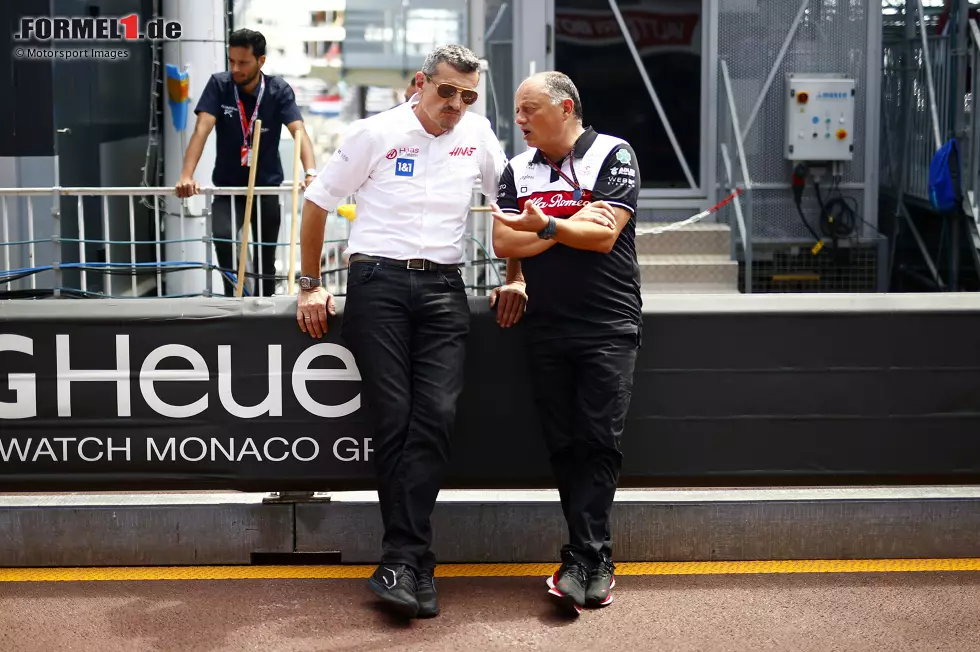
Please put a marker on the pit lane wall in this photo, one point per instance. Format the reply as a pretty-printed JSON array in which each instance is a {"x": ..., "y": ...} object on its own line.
[{"x": 729, "y": 391}]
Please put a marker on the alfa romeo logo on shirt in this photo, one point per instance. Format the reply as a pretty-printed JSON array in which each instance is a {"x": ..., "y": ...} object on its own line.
[{"x": 623, "y": 156}]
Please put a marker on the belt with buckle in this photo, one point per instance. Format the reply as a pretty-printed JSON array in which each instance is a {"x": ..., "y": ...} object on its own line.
[{"x": 419, "y": 264}]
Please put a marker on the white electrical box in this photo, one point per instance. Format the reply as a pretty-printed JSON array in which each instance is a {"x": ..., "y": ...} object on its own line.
[{"x": 819, "y": 117}]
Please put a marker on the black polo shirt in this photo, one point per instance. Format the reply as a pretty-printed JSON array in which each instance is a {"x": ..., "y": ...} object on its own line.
[
  {"x": 573, "y": 292},
  {"x": 278, "y": 108}
]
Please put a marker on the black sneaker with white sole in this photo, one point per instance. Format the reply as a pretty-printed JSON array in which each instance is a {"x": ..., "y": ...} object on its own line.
[
  {"x": 426, "y": 594},
  {"x": 567, "y": 586},
  {"x": 602, "y": 579},
  {"x": 397, "y": 586}
]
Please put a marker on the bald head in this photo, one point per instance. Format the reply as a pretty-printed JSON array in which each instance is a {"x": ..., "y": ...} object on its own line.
[
  {"x": 558, "y": 87},
  {"x": 548, "y": 111}
]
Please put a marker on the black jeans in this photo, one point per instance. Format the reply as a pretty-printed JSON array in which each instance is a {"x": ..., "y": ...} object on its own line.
[
  {"x": 407, "y": 330},
  {"x": 582, "y": 389},
  {"x": 221, "y": 226}
]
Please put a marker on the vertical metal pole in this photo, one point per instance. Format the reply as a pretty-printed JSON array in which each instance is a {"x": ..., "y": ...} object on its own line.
[
  {"x": 107, "y": 237},
  {"x": 81, "y": 243},
  {"x": 476, "y": 26},
  {"x": 283, "y": 236},
  {"x": 132, "y": 245},
  {"x": 469, "y": 256},
  {"x": 182, "y": 233},
  {"x": 259, "y": 246},
  {"x": 739, "y": 145},
  {"x": 709, "y": 105},
  {"x": 930, "y": 84},
  {"x": 208, "y": 243},
  {"x": 962, "y": 48},
  {"x": 872, "y": 120},
  {"x": 732, "y": 240},
  {"x": 30, "y": 247},
  {"x": 975, "y": 120},
  {"x": 905, "y": 122},
  {"x": 749, "y": 229},
  {"x": 6, "y": 239},
  {"x": 55, "y": 238},
  {"x": 234, "y": 239},
  {"x": 746, "y": 178},
  {"x": 156, "y": 223}
]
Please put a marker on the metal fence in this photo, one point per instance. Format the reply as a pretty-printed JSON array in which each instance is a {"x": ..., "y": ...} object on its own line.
[
  {"x": 908, "y": 138},
  {"x": 928, "y": 96},
  {"x": 736, "y": 176},
  {"x": 103, "y": 253},
  {"x": 761, "y": 43},
  {"x": 971, "y": 157},
  {"x": 913, "y": 113}
]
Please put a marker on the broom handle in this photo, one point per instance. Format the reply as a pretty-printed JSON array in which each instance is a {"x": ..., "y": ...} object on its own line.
[{"x": 253, "y": 166}]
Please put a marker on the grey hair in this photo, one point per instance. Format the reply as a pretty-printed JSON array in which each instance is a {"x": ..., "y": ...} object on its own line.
[
  {"x": 457, "y": 56},
  {"x": 560, "y": 87}
]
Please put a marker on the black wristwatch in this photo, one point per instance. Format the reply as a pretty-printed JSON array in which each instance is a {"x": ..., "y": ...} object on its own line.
[
  {"x": 309, "y": 282},
  {"x": 548, "y": 232}
]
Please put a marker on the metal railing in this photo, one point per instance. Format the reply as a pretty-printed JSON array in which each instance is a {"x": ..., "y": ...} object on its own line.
[
  {"x": 733, "y": 132},
  {"x": 910, "y": 114},
  {"x": 921, "y": 93},
  {"x": 971, "y": 159},
  {"x": 157, "y": 240},
  {"x": 929, "y": 84}
]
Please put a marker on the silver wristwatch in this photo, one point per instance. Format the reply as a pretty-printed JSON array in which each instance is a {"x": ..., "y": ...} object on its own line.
[{"x": 309, "y": 282}]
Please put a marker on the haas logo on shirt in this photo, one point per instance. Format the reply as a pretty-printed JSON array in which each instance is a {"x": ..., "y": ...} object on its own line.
[{"x": 462, "y": 151}]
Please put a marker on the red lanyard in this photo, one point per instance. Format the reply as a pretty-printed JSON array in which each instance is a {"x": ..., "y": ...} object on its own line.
[
  {"x": 247, "y": 126},
  {"x": 577, "y": 195}
]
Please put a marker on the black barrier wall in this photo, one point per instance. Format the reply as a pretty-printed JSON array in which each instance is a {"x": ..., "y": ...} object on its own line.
[{"x": 195, "y": 394}]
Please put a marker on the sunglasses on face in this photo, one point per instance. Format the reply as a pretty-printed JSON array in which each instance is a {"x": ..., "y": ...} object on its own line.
[{"x": 447, "y": 91}]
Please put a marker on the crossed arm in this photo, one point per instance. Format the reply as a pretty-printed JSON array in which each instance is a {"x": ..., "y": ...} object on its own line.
[{"x": 594, "y": 228}]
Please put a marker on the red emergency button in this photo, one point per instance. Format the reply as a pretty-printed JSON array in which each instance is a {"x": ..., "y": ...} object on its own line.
[
  {"x": 841, "y": 134},
  {"x": 802, "y": 97}
]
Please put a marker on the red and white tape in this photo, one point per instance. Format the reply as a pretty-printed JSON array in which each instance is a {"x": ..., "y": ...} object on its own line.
[{"x": 673, "y": 226}]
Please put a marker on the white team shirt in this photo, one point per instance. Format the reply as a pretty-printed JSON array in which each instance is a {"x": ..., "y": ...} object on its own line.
[{"x": 413, "y": 190}]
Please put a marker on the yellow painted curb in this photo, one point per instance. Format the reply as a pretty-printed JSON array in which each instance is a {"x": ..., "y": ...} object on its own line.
[{"x": 483, "y": 570}]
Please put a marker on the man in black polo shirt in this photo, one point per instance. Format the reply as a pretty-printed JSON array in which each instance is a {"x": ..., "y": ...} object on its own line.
[
  {"x": 566, "y": 208},
  {"x": 231, "y": 103}
]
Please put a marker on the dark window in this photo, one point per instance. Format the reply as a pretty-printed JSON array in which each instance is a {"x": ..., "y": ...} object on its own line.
[{"x": 590, "y": 48}]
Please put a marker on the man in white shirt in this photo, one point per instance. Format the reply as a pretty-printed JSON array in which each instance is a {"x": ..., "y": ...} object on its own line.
[{"x": 406, "y": 316}]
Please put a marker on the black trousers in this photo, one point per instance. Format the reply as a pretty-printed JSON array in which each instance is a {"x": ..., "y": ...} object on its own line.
[
  {"x": 221, "y": 226},
  {"x": 407, "y": 330},
  {"x": 582, "y": 389}
]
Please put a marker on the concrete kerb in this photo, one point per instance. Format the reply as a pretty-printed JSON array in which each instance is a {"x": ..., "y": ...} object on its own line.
[{"x": 491, "y": 526}]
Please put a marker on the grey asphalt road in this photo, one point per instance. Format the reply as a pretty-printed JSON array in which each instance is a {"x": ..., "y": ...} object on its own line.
[{"x": 799, "y": 612}]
